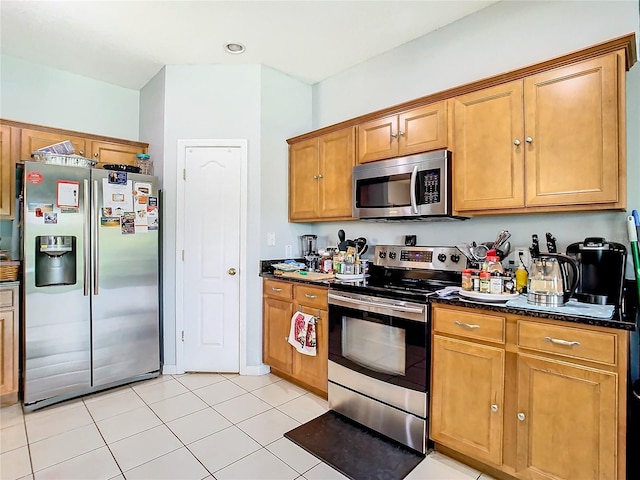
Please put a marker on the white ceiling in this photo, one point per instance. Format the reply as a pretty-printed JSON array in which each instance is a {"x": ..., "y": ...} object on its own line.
[{"x": 127, "y": 42}]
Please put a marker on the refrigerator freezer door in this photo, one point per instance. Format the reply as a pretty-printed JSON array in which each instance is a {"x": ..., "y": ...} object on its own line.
[
  {"x": 57, "y": 328},
  {"x": 124, "y": 279}
]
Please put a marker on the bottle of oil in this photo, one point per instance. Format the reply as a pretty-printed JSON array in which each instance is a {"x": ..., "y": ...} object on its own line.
[{"x": 521, "y": 278}]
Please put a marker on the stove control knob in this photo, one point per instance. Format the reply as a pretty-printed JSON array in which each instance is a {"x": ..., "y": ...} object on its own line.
[
  {"x": 382, "y": 254},
  {"x": 442, "y": 257},
  {"x": 455, "y": 258},
  {"x": 392, "y": 255}
]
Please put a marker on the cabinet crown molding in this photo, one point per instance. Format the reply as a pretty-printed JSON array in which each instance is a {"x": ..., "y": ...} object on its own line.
[{"x": 626, "y": 42}]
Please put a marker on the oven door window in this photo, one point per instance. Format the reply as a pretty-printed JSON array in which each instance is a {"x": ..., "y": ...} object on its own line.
[
  {"x": 381, "y": 348},
  {"x": 390, "y": 349}
]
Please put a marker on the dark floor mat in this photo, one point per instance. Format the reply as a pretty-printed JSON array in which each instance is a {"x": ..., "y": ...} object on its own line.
[{"x": 354, "y": 450}]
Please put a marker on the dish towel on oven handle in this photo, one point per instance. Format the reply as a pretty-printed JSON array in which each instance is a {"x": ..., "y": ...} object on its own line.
[{"x": 302, "y": 334}]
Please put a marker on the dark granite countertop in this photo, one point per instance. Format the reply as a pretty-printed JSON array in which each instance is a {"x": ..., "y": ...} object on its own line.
[
  {"x": 621, "y": 322},
  {"x": 615, "y": 322}
]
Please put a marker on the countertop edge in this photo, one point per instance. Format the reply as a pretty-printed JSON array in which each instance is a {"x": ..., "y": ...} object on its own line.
[
  {"x": 456, "y": 301},
  {"x": 596, "y": 322}
]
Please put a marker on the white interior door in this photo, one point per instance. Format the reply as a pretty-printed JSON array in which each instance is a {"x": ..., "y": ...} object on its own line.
[{"x": 211, "y": 287}]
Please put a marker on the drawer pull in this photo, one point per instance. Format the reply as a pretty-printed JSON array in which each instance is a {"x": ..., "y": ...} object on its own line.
[
  {"x": 276, "y": 289},
  {"x": 494, "y": 408},
  {"x": 521, "y": 417},
  {"x": 466, "y": 325},
  {"x": 558, "y": 341},
  {"x": 310, "y": 296}
]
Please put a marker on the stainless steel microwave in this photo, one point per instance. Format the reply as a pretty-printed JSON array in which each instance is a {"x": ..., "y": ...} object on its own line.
[{"x": 416, "y": 187}]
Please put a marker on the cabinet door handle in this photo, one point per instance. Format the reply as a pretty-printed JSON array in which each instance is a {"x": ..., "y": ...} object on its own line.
[
  {"x": 310, "y": 296},
  {"x": 516, "y": 142},
  {"x": 494, "y": 408},
  {"x": 559, "y": 341},
  {"x": 521, "y": 417},
  {"x": 528, "y": 140},
  {"x": 466, "y": 325},
  {"x": 320, "y": 176},
  {"x": 95, "y": 154},
  {"x": 286, "y": 339},
  {"x": 401, "y": 133},
  {"x": 315, "y": 177},
  {"x": 394, "y": 135},
  {"x": 81, "y": 152},
  {"x": 276, "y": 289}
]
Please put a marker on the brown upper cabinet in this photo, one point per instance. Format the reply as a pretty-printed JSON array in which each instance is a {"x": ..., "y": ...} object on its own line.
[
  {"x": 416, "y": 130},
  {"x": 320, "y": 185},
  {"x": 549, "y": 137},
  {"x": 7, "y": 173},
  {"x": 555, "y": 139},
  {"x": 18, "y": 140},
  {"x": 104, "y": 151}
]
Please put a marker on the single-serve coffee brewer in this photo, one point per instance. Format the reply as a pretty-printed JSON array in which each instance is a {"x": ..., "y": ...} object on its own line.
[
  {"x": 310, "y": 251},
  {"x": 601, "y": 265}
]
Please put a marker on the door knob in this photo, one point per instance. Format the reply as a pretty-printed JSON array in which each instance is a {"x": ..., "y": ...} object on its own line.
[{"x": 232, "y": 271}]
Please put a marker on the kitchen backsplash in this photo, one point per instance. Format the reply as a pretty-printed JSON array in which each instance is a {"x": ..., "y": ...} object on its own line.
[{"x": 567, "y": 228}]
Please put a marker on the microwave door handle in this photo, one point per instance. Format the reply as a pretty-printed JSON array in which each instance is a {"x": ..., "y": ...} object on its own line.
[{"x": 414, "y": 176}]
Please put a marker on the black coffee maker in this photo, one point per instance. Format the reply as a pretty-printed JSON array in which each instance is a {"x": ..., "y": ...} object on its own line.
[{"x": 601, "y": 265}]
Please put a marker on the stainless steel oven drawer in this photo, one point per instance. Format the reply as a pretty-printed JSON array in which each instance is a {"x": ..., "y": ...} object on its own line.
[
  {"x": 396, "y": 424},
  {"x": 405, "y": 399}
]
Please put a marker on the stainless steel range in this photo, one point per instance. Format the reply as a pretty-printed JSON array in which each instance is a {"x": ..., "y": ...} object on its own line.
[{"x": 379, "y": 340}]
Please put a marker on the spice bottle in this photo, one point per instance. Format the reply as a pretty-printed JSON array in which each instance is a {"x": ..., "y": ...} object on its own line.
[
  {"x": 496, "y": 283},
  {"x": 466, "y": 279},
  {"x": 485, "y": 282}
]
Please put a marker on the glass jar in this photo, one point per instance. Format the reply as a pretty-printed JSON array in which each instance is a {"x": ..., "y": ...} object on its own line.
[
  {"x": 475, "y": 280},
  {"x": 146, "y": 165},
  {"x": 496, "y": 283},
  {"x": 485, "y": 282}
]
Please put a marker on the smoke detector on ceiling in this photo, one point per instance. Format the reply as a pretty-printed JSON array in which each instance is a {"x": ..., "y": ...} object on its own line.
[{"x": 234, "y": 47}]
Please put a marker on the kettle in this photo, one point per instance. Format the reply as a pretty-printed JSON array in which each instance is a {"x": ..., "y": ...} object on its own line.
[{"x": 549, "y": 278}]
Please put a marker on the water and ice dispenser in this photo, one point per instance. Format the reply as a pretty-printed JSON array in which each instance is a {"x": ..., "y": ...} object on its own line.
[{"x": 55, "y": 260}]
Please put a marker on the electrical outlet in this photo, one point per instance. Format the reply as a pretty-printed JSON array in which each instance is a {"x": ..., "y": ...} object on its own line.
[
  {"x": 523, "y": 256},
  {"x": 288, "y": 251}
]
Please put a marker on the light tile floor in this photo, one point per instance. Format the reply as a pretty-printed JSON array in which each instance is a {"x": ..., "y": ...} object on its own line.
[{"x": 193, "y": 426}]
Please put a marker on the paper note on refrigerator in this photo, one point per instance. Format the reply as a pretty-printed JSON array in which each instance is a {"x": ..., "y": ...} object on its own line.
[{"x": 117, "y": 196}]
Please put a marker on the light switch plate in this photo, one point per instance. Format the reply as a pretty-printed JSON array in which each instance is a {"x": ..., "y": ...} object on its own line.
[
  {"x": 288, "y": 251},
  {"x": 271, "y": 239}
]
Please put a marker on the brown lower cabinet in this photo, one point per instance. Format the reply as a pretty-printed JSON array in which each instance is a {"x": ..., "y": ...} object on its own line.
[
  {"x": 529, "y": 398},
  {"x": 280, "y": 300},
  {"x": 9, "y": 325}
]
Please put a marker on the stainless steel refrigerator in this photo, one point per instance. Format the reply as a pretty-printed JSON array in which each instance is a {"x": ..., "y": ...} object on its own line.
[{"x": 91, "y": 276}]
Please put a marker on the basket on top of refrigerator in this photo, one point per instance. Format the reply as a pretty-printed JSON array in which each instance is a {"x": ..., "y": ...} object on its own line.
[{"x": 61, "y": 153}]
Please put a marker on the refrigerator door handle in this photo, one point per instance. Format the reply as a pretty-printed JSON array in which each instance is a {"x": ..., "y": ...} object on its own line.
[
  {"x": 85, "y": 239},
  {"x": 95, "y": 243}
]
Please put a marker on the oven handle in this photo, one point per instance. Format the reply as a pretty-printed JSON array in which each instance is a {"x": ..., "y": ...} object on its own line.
[
  {"x": 414, "y": 176},
  {"x": 355, "y": 301}
]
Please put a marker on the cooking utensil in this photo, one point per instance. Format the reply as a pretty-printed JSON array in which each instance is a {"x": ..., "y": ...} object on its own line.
[
  {"x": 633, "y": 240},
  {"x": 535, "y": 246},
  {"x": 361, "y": 245},
  {"x": 479, "y": 252},
  {"x": 342, "y": 244},
  {"x": 551, "y": 243},
  {"x": 502, "y": 237}
]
